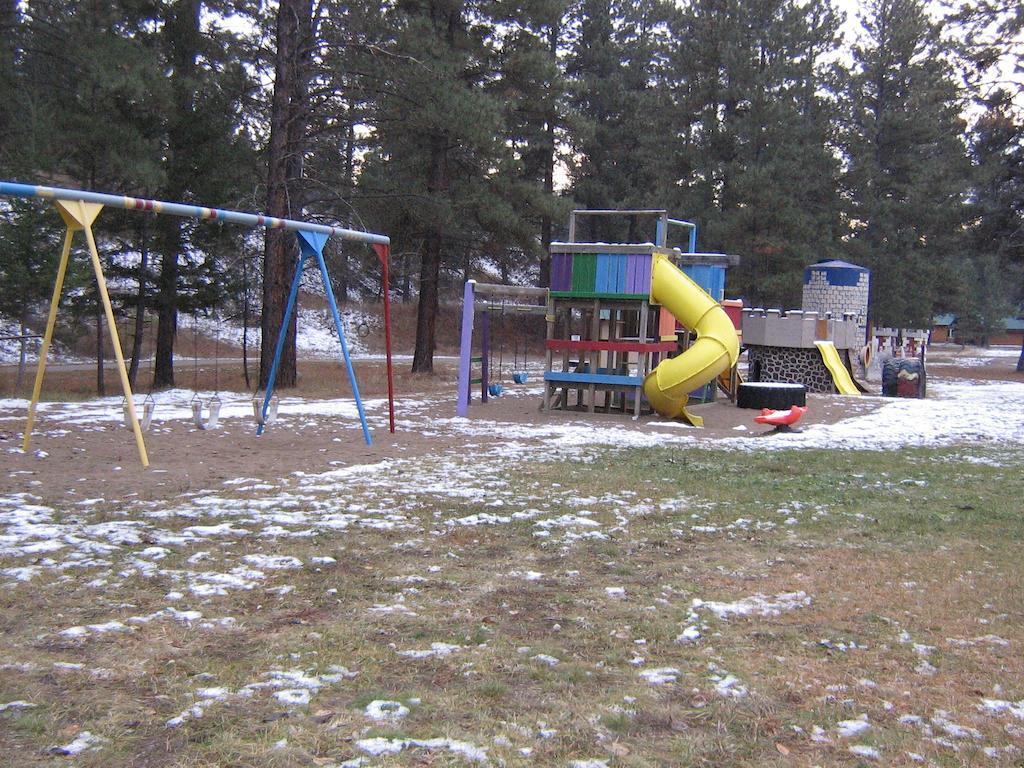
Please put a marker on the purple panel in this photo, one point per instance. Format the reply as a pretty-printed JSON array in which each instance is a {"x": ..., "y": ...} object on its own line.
[
  {"x": 643, "y": 274},
  {"x": 632, "y": 262},
  {"x": 561, "y": 272},
  {"x": 565, "y": 276}
]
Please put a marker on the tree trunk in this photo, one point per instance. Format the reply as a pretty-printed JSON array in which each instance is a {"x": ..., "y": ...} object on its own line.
[
  {"x": 287, "y": 128},
  {"x": 1020, "y": 360},
  {"x": 430, "y": 266},
  {"x": 245, "y": 318},
  {"x": 22, "y": 355},
  {"x": 182, "y": 39},
  {"x": 549, "y": 168},
  {"x": 167, "y": 300},
  {"x": 140, "y": 306},
  {"x": 405, "y": 280}
]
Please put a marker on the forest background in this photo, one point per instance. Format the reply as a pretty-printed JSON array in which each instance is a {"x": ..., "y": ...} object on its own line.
[{"x": 467, "y": 130}]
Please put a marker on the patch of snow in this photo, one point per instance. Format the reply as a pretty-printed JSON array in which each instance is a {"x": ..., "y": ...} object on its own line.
[
  {"x": 385, "y": 711},
  {"x": 849, "y": 728},
  {"x": 436, "y": 649},
  {"x": 17, "y": 704},
  {"x": 381, "y": 746},
  {"x": 759, "y": 605},
  {"x": 862, "y": 750},
  {"x": 660, "y": 675},
  {"x": 82, "y": 742}
]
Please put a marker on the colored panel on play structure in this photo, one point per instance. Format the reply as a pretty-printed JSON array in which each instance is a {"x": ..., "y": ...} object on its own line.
[
  {"x": 666, "y": 325},
  {"x": 611, "y": 273},
  {"x": 620, "y": 262},
  {"x": 603, "y": 262},
  {"x": 710, "y": 277},
  {"x": 594, "y": 378},
  {"x": 632, "y": 267},
  {"x": 643, "y": 274},
  {"x": 561, "y": 272},
  {"x": 584, "y": 273}
]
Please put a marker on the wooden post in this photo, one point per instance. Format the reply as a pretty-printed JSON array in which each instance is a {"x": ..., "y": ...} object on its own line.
[{"x": 643, "y": 359}]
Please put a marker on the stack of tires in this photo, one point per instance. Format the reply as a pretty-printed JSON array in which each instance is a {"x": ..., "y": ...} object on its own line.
[{"x": 904, "y": 377}]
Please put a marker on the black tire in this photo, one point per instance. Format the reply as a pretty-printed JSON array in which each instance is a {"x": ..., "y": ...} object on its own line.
[
  {"x": 778, "y": 397},
  {"x": 891, "y": 371}
]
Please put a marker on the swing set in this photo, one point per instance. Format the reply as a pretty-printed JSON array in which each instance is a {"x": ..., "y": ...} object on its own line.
[
  {"x": 493, "y": 301},
  {"x": 79, "y": 209}
]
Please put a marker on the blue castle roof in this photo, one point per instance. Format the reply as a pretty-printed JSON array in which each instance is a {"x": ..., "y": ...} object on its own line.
[{"x": 837, "y": 264}]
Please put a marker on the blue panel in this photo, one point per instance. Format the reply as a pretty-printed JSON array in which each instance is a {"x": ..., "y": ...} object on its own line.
[
  {"x": 603, "y": 263},
  {"x": 709, "y": 277},
  {"x": 621, "y": 262},
  {"x": 594, "y": 378}
]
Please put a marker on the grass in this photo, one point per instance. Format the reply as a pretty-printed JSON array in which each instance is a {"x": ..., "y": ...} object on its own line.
[{"x": 917, "y": 541}]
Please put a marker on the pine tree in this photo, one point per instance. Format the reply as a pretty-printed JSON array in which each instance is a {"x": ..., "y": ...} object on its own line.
[
  {"x": 439, "y": 157},
  {"x": 907, "y": 168},
  {"x": 288, "y": 119},
  {"x": 617, "y": 96},
  {"x": 533, "y": 86},
  {"x": 755, "y": 165},
  {"x": 207, "y": 157},
  {"x": 992, "y": 270}
]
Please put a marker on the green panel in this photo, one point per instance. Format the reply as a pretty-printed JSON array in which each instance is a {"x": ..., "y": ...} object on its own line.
[
  {"x": 584, "y": 272},
  {"x": 595, "y": 295}
]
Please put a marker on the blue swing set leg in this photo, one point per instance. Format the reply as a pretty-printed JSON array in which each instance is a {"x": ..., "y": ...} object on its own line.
[{"x": 312, "y": 244}]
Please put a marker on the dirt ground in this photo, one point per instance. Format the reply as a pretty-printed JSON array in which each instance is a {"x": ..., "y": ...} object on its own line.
[{"x": 100, "y": 458}]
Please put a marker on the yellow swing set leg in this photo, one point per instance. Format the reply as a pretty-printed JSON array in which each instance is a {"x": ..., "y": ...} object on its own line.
[{"x": 77, "y": 216}]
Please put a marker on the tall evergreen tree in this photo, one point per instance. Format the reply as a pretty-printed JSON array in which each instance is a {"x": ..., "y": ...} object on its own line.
[
  {"x": 440, "y": 148},
  {"x": 756, "y": 164},
  {"x": 533, "y": 86},
  {"x": 618, "y": 53},
  {"x": 992, "y": 268},
  {"x": 207, "y": 158},
  {"x": 288, "y": 119},
  {"x": 906, "y": 174}
]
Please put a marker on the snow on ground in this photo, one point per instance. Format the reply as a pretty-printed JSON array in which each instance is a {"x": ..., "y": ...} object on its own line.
[
  {"x": 968, "y": 412},
  {"x": 984, "y": 415}
]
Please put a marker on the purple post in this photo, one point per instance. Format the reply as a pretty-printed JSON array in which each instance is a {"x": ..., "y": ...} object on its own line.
[{"x": 465, "y": 350}]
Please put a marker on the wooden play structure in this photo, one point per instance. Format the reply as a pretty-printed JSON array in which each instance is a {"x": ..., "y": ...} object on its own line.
[
  {"x": 620, "y": 313},
  {"x": 613, "y": 315}
]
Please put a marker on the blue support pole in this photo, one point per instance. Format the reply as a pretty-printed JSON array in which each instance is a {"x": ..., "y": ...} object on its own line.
[
  {"x": 314, "y": 242},
  {"x": 279, "y": 349}
]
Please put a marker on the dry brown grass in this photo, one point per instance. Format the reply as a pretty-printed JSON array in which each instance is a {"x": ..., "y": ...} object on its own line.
[{"x": 936, "y": 558}]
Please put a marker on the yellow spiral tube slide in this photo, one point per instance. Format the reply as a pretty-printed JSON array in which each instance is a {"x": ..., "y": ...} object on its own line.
[{"x": 716, "y": 349}]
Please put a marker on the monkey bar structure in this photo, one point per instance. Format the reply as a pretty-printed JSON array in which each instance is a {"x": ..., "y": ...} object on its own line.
[{"x": 79, "y": 209}]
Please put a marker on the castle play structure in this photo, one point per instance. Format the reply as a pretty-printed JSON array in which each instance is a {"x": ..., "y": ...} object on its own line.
[
  {"x": 611, "y": 317},
  {"x": 815, "y": 346}
]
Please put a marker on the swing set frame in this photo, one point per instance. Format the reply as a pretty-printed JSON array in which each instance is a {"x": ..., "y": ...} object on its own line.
[
  {"x": 480, "y": 297},
  {"x": 79, "y": 209}
]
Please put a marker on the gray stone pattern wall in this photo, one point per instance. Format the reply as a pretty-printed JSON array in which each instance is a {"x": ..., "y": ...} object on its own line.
[
  {"x": 822, "y": 297},
  {"x": 790, "y": 365}
]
